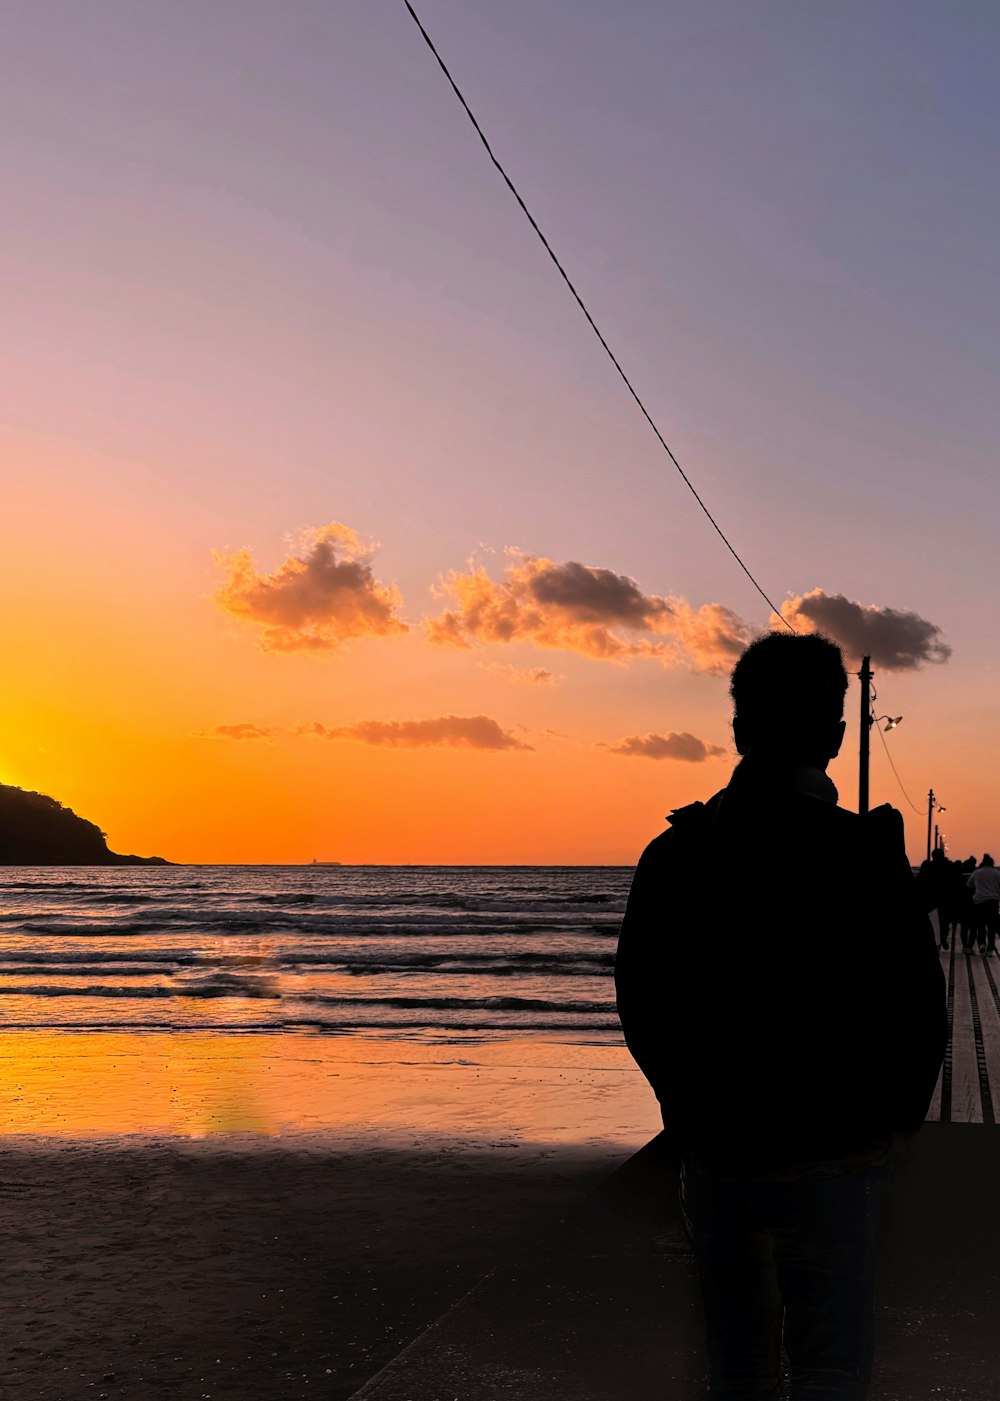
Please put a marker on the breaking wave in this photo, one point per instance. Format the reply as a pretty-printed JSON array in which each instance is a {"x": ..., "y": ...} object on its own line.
[{"x": 436, "y": 951}]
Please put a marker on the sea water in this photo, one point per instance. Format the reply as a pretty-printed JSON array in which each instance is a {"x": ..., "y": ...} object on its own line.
[
  {"x": 422, "y": 952},
  {"x": 429, "y": 1008}
]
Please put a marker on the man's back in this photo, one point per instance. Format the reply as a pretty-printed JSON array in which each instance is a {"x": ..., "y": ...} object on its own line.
[
  {"x": 779, "y": 986},
  {"x": 985, "y": 883},
  {"x": 778, "y": 982}
]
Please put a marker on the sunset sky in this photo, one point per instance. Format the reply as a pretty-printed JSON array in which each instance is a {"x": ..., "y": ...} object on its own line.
[{"x": 328, "y": 529}]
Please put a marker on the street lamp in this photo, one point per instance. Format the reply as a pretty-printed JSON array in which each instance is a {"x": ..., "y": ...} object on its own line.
[
  {"x": 865, "y": 677},
  {"x": 868, "y": 719},
  {"x": 932, "y": 806}
]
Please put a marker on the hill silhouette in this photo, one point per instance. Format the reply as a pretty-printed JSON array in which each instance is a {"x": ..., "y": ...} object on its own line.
[{"x": 38, "y": 831}]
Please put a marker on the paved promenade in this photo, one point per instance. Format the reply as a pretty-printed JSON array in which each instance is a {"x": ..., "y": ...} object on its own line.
[
  {"x": 968, "y": 1088},
  {"x": 607, "y": 1308}
]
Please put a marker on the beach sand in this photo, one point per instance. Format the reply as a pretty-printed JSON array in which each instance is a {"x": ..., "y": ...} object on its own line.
[
  {"x": 240, "y": 1271},
  {"x": 293, "y": 1259}
]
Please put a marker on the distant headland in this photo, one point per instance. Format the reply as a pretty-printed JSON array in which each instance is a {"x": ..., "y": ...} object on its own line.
[{"x": 39, "y": 831}]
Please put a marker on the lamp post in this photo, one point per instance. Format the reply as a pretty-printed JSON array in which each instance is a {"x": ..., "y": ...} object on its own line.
[
  {"x": 932, "y": 806},
  {"x": 865, "y": 677},
  {"x": 868, "y": 719}
]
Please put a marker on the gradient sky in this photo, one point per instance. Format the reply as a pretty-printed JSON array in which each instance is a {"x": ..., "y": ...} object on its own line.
[{"x": 260, "y": 278}]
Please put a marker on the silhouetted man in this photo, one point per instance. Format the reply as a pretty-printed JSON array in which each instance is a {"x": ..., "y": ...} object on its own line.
[
  {"x": 779, "y": 986},
  {"x": 936, "y": 886},
  {"x": 968, "y": 910},
  {"x": 984, "y": 882}
]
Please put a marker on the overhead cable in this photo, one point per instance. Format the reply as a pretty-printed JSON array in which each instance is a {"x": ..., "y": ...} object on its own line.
[
  {"x": 893, "y": 766},
  {"x": 592, "y": 323}
]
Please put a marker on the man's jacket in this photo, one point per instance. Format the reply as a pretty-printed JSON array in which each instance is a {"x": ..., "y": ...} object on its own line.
[{"x": 778, "y": 981}]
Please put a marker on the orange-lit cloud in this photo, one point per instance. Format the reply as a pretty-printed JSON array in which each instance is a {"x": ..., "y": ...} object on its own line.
[
  {"x": 896, "y": 640},
  {"x": 452, "y": 731},
  {"x": 670, "y": 746},
  {"x": 317, "y": 599},
  {"x": 521, "y": 675},
  {"x": 238, "y": 731},
  {"x": 580, "y": 608}
]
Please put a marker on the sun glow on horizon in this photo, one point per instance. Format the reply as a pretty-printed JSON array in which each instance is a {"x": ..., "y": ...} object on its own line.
[{"x": 329, "y": 532}]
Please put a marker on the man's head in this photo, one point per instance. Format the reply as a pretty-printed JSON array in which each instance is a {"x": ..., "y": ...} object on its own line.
[
  {"x": 788, "y": 698},
  {"x": 987, "y": 860}
]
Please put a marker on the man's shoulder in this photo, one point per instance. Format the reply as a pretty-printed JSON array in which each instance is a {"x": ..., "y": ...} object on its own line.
[
  {"x": 686, "y": 824},
  {"x": 881, "y": 829},
  {"x": 882, "y": 821}
]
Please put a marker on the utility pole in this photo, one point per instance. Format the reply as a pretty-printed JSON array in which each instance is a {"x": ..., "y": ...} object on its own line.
[
  {"x": 930, "y": 810},
  {"x": 937, "y": 839},
  {"x": 865, "y": 675}
]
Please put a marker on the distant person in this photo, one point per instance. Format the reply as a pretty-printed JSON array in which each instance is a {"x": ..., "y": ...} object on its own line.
[
  {"x": 935, "y": 883},
  {"x": 984, "y": 882},
  {"x": 955, "y": 897},
  {"x": 787, "y": 1065},
  {"x": 967, "y": 909}
]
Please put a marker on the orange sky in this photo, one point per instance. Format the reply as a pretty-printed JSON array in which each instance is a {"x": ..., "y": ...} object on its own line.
[
  {"x": 328, "y": 531},
  {"x": 157, "y": 713}
]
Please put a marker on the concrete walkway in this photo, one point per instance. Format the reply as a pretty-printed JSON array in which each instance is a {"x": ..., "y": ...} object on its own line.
[
  {"x": 607, "y": 1308},
  {"x": 968, "y": 1088}
]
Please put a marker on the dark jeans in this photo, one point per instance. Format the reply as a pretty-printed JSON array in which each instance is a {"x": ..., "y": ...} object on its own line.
[
  {"x": 986, "y": 924},
  {"x": 786, "y": 1262}
]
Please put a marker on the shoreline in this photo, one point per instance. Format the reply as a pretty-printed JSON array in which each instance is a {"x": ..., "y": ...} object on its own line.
[
  {"x": 247, "y": 1218},
  {"x": 147, "y": 861},
  {"x": 347, "y": 1091}
]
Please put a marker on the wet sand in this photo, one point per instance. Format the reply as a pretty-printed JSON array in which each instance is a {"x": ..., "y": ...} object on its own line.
[
  {"x": 274, "y": 1217},
  {"x": 353, "y": 1091},
  {"x": 239, "y": 1271}
]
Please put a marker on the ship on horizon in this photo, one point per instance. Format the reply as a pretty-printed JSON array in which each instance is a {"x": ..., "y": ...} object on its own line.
[{"x": 316, "y": 862}]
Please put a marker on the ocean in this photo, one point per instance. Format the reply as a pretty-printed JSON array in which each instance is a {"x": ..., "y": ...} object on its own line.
[{"x": 441, "y": 954}]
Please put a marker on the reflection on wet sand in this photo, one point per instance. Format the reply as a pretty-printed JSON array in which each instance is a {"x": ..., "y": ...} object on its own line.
[{"x": 355, "y": 1091}]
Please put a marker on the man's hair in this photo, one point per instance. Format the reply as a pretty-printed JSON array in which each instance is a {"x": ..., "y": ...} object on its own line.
[{"x": 788, "y": 691}]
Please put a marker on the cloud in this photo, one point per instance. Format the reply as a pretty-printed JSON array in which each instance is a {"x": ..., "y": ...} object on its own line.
[
  {"x": 454, "y": 731},
  {"x": 896, "y": 640},
  {"x": 239, "y": 731},
  {"x": 584, "y": 609},
  {"x": 317, "y": 599},
  {"x": 523, "y": 676},
  {"x": 671, "y": 746}
]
